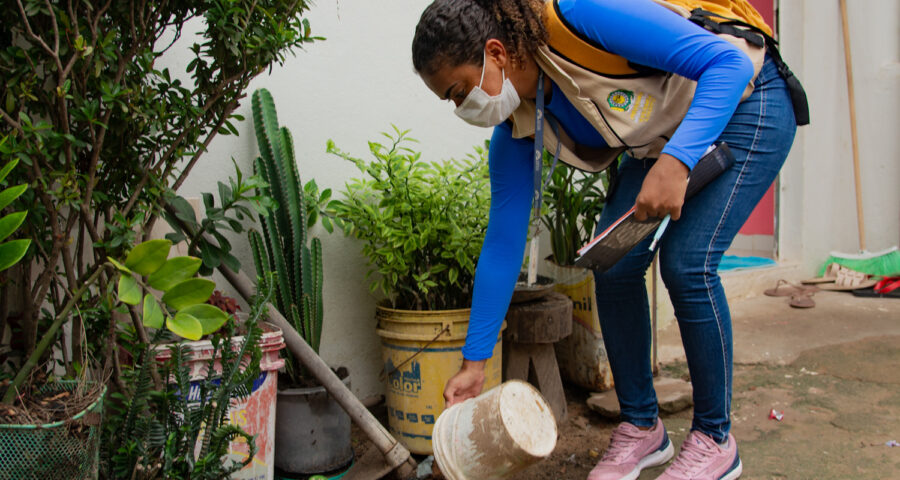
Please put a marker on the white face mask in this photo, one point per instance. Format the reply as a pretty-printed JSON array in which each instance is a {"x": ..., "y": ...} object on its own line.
[{"x": 483, "y": 110}]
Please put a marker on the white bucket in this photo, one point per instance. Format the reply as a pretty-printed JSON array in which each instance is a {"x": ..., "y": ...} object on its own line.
[{"x": 495, "y": 435}]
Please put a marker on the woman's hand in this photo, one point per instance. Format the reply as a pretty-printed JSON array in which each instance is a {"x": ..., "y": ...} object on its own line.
[
  {"x": 663, "y": 190},
  {"x": 466, "y": 384}
]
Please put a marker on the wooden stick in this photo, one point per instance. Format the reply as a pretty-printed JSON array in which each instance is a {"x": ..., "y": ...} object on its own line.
[
  {"x": 861, "y": 224},
  {"x": 396, "y": 455}
]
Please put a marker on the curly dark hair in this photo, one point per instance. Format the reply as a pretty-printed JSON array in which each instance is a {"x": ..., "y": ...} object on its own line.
[{"x": 453, "y": 32}]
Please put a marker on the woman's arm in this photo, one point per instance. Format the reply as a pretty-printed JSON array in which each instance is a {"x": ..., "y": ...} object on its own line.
[
  {"x": 500, "y": 260},
  {"x": 501, "y": 255}
]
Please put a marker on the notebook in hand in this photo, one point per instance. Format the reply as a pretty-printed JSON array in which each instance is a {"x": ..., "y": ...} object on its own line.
[{"x": 618, "y": 239}]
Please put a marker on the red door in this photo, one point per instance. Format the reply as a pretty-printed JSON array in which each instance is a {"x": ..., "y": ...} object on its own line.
[{"x": 762, "y": 220}]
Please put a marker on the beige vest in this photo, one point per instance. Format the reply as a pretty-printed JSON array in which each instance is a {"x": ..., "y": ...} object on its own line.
[{"x": 636, "y": 114}]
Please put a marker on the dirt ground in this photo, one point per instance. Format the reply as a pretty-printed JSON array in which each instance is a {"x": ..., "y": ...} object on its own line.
[
  {"x": 841, "y": 404},
  {"x": 833, "y": 370}
]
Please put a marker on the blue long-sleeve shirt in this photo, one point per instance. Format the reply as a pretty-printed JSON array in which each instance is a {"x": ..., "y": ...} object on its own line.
[{"x": 644, "y": 33}]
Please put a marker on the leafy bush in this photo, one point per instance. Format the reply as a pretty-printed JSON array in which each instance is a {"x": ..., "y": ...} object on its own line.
[
  {"x": 105, "y": 133},
  {"x": 573, "y": 201},
  {"x": 170, "y": 434},
  {"x": 421, "y": 223},
  {"x": 11, "y": 251}
]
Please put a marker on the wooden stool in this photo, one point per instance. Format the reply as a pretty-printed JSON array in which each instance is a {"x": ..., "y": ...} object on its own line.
[{"x": 531, "y": 330}]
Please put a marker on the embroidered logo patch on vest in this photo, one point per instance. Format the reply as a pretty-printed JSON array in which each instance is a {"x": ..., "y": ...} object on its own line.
[{"x": 620, "y": 100}]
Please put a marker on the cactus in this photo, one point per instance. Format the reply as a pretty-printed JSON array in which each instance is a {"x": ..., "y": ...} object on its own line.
[{"x": 283, "y": 247}]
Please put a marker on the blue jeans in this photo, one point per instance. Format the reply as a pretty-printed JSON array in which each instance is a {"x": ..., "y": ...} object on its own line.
[{"x": 760, "y": 135}]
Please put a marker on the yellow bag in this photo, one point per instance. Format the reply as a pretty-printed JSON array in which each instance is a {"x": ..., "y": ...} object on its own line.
[{"x": 730, "y": 9}]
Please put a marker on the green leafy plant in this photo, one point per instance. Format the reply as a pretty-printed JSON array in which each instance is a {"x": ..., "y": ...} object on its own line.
[
  {"x": 227, "y": 216},
  {"x": 573, "y": 201},
  {"x": 286, "y": 248},
  {"x": 106, "y": 133},
  {"x": 421, "y": 223},
  {"x": 11, "y": 251},
  {"x": 182, "y": 432},
  {"x": 184, "y": 310}
]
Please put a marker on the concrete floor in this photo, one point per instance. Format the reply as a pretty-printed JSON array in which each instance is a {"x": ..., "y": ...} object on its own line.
[{"x": 833, "y": 371}]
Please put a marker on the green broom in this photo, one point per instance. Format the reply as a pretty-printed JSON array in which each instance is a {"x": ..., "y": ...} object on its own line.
[
  {"x": 885, "y": 263},
  {"x": 882, "y": 263}
]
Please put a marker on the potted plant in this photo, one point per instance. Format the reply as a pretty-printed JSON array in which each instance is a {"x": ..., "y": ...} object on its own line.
[
  {"x": 106, "y": 135},
  {"x": 192, "y": 423},
  {"x": 181, "y": 311},
  {"x": 312, "y": 434},
  {"x": 573, "y": 201},
  {"x": 421, "y": 225}
]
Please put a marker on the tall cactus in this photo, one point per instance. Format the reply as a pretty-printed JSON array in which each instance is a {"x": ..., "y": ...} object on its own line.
[{"x": 283, "y": 247}]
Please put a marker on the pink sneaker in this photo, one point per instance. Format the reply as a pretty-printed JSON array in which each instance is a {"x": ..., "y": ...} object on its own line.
[
  {"x": 701, "y": 458},
  {"x": 632, "y": 450}
]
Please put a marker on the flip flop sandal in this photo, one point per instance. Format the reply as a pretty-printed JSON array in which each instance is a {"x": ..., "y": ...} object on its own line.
[
  {"x": 783, "y": 288},
  {"x": 848, "y": 279},
  {"x": 802, "y": 300},
  {"x": 887, "y": 285},
  {"x": 831, "y": 273},
  {"x": 887, "y": 288}
]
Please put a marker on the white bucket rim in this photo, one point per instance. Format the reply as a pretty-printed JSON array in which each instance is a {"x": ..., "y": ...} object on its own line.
[{"x": 441, "y": 455}]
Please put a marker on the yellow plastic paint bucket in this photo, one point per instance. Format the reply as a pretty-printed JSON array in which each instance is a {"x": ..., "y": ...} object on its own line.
[{"x": 421, "y": 351}]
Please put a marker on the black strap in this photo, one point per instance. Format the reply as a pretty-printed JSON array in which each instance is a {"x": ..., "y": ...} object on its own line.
[
  {"x": 699, "y": 17},
  {"x": 759, "y": 38}
]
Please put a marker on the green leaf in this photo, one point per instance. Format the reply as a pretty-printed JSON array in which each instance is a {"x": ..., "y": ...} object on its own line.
[
  {"x": 12, "y": 252},
  {"x": 153, "y": 315},
  {"x": 210, "y": 317},
  {"x": 231, "y": 262},
  {"x": 129, "y": 290},
  {"x": 211, "y": 255},
  {"x": 208, "y": 200},
  {"x": 189, "y": 292},
  {"x": 8, "y": 167},
  {"x": 10, "y": 223},
  {"x": 119, "y": 266},
  {"x": 173, "y": 272},
  {"x": 184, "y": 210},
  {"x": 147, "y": 257},
  {"x": 10, "y": 194},
  {"x": 185, "y": 326}
]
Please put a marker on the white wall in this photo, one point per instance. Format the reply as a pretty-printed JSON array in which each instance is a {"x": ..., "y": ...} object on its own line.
[
  {"x": 817, "y": 207},
  {"x": 347, "y": 88}
]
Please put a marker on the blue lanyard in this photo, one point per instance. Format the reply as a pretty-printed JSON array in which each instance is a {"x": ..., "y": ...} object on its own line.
[{"x": 539, "y": 150}]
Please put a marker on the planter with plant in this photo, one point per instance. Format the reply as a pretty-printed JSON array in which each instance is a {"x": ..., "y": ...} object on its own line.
[
  {"x": 421, "y": 225},
  {"x": 573, "y": 201},
  {"x": 105, "y": 135},
  {"x": 73, "y": 448},
  {"x": 312, "y": 434}
]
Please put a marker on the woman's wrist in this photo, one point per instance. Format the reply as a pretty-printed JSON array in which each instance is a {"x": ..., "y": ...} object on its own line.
[
  {"x": 477, "y": 365},
  {"x": 674, "y": 166}
]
